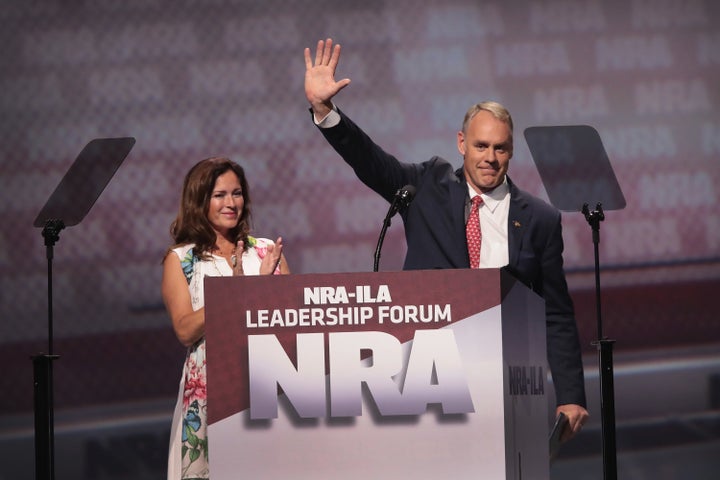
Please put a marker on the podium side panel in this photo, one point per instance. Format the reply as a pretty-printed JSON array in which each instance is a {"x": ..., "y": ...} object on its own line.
[{"x": 525, "y": 372}]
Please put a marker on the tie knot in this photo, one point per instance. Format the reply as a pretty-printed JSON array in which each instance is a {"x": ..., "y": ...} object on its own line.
[{"x": 476, "y": 201}]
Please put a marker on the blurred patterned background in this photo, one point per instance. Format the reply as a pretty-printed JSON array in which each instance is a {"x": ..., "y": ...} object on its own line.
[{"x": 190, "y": 79}]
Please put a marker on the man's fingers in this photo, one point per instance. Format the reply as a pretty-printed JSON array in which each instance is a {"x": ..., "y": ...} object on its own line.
[
  {"x": 308, "y": 60},
  {"x": 325, "y": 54},
  {"x": 319, "y": 51},
  {"x": 335, "y": 57},
  {"x": 342, "y": 84},
  {"x": 580, "y": 423},
  {"x": 327, "y": 51}
]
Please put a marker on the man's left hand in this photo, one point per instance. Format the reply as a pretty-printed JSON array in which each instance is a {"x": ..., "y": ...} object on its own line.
[{"x": 576, "y": 415}]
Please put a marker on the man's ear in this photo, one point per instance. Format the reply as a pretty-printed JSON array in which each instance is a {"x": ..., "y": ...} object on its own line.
[{"x": 461, "y": 143}]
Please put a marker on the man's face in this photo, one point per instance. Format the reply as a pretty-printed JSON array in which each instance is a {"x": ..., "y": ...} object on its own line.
[{"x": 486, "y": 147}]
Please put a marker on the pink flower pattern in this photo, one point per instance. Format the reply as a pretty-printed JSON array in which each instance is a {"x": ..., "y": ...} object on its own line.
[{"x": 195, "y": 382}]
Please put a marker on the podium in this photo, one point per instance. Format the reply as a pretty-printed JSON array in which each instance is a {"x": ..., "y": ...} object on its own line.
[{"x": 418, "y": 374}]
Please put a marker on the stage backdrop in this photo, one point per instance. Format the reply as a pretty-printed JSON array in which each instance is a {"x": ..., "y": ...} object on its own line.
[{"x": 190, "y": 79}]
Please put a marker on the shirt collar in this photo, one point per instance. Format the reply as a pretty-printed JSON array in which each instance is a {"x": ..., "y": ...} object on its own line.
[{"x": 493, "y": 198}]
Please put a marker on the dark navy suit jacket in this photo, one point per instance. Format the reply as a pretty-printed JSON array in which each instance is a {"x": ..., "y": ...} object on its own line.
[{"x": 435, "y": 235}]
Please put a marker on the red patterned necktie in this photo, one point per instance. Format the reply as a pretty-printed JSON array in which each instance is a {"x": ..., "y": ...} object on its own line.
[{"x": 472, "y": 231}]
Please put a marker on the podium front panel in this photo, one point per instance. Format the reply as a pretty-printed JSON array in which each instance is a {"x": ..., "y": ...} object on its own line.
[{"x": 374, "y": 375}]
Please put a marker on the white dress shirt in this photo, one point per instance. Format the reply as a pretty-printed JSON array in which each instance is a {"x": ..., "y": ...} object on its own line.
[{"x": 493, "y": 213}]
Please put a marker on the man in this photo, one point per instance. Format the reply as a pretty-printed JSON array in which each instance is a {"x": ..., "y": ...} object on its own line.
[{"x": 517, "y": 230}]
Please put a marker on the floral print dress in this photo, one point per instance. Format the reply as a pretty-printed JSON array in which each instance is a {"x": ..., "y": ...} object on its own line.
[{"x": 188, "y": 455}]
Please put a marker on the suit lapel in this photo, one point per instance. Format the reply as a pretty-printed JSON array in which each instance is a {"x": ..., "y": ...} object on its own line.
[
  {"x": 458, "y": 194},
  {"x": 518, "y": 222}
]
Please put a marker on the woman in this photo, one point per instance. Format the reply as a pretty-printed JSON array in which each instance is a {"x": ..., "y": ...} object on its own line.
[{"x": 211, "y": 238}]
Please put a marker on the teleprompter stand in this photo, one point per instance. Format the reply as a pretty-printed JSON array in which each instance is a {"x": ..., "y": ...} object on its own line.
[
  {"x": 576, "y": 173},
  {"x": 67, "y": 206}
]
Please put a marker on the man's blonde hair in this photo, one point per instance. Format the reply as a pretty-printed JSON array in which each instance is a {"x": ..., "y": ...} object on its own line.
[{"x": 496, "y": 109}]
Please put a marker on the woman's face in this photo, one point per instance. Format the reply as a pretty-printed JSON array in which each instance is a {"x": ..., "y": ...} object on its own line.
[{"x": 226, "y": 203}]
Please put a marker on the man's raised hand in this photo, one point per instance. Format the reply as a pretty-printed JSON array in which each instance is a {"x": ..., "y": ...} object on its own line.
[{"x": 320, "y": 84}]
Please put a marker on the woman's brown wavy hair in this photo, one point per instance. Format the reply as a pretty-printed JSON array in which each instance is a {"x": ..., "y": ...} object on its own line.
[{"x": 192, "y": 224}]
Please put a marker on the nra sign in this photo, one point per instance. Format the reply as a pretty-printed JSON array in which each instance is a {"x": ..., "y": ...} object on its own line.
[{"x": 299, "y": 365}]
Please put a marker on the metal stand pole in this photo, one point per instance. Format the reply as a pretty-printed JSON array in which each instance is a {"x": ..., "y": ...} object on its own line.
[
  {"x": 43, "y": 375},
  {"x": 605, "y": 359}
]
